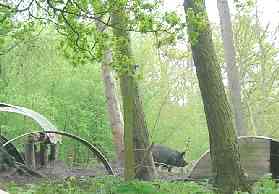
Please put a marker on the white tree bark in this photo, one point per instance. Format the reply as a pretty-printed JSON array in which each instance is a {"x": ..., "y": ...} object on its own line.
[
  {"x": 113, "y": 105},
  {"x": 115, "y": 114},
  {"x": 231, "y": 68}
]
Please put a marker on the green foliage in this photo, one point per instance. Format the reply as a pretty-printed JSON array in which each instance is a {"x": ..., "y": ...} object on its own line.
[
  {"x": 266, "y": 186},
  {"x": 58, "y": 75},
  {"x": 197, "y": 24},
  {"x": 145, "y": 23},
  {"x": 257, "y": 59},
  {"x": 173, "y": 107},
  {"x": 122, "y": 63},
  {"x": 114, "y": 185},
  {"x": 36, "y": 75},
  {"x": 136, "y": 187},
  {"x": 172, "y": 18},
  {"x": 244, "y": 6},
  {"x": 82, "y": 43},
  {"x": 110, "y": 185}
]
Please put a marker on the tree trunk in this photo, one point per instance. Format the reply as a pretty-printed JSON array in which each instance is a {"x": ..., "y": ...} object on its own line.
[
  {"x": 113, "y": 105},
  {"x": 127, "y": 98},
  {"x": 231, "y": 68},
  {"x": 115, "y": 114},
  {"x": 145, "y": 169},
  {"x": 138, "y": 158},
  {"x": 224, "y": 150}
]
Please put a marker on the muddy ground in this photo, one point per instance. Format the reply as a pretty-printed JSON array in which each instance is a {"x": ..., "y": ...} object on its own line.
[{"x": 58, "y": 170}]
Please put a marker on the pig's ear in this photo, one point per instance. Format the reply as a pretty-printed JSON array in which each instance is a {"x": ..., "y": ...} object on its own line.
[{"x": 182, "y": 154}]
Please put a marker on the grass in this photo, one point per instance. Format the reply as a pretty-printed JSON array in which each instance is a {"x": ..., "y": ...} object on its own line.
[
  {"x": 114, "y": 185},
  {"x": 107, "y": 185}
]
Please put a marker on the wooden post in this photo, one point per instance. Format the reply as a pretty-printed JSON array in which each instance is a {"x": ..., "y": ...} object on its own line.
[
  {"x": 30, "y": 152},
  {"x": 43, "y": 154},
  {"x": 53, "y": 152}
]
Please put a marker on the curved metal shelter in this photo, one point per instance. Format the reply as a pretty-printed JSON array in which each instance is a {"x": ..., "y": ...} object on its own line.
[
  {"x": 11, "y": 149},
  {"x": 84, "y": 142},
  {"x": 43, "y": 122},
  {"x": 259, "y": 156},
  {"x": 49, "y": 129}
]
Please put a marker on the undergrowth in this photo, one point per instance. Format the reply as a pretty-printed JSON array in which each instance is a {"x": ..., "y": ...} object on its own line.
[{"x": 114, "y": 185}]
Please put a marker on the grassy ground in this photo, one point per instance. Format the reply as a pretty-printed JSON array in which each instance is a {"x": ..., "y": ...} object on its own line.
[{"x": 114, "y": 185}]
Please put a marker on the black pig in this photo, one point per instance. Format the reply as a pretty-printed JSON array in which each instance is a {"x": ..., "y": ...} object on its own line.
[{"x": 167, "y": 157}]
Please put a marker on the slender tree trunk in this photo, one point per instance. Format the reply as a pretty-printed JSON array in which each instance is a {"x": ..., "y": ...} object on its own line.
[
  {"x": 115, "y": 114},
  {"x": 231, "y": 68},
  {"x": 113, "y": 105},
  {"x": 252, "y": 126},
  {"x": 224, "y": 150},
  {"x": 263, "y": 81},
  {"x": 138, "y": 158}
]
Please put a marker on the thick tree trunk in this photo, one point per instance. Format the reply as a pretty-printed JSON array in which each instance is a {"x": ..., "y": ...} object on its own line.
[
  {"x": 129, "y": 157},
  {"x": 231, "y": 68},
  {"x": 138, "y": 158},
  {"x": 224, "y": 150},
  {"x": 145, "y": 169}
]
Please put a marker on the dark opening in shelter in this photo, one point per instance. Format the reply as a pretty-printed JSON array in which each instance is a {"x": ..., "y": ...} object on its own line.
[{"x": 274, "y": 159}]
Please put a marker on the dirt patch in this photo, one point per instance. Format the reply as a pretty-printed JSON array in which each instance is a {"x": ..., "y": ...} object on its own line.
[{"x": 59, "y": 171}]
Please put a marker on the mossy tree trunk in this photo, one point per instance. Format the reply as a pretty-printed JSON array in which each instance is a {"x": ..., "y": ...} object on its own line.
[
  {"x": 224, "y": 150},
  {"x": 138, "y": 158}
]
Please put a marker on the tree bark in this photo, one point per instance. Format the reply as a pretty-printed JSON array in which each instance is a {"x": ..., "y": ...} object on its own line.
[
  {"x": 231, "y": 68},
  {"x": 224, "y": 150},
  {"x": 115, "y": 114},
  {"x": 113, "y": 104},
  {"x": 138, "y": 158}
]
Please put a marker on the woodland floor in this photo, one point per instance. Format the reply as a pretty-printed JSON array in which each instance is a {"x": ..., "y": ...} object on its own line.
[{"x": 60, "y": 171}]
